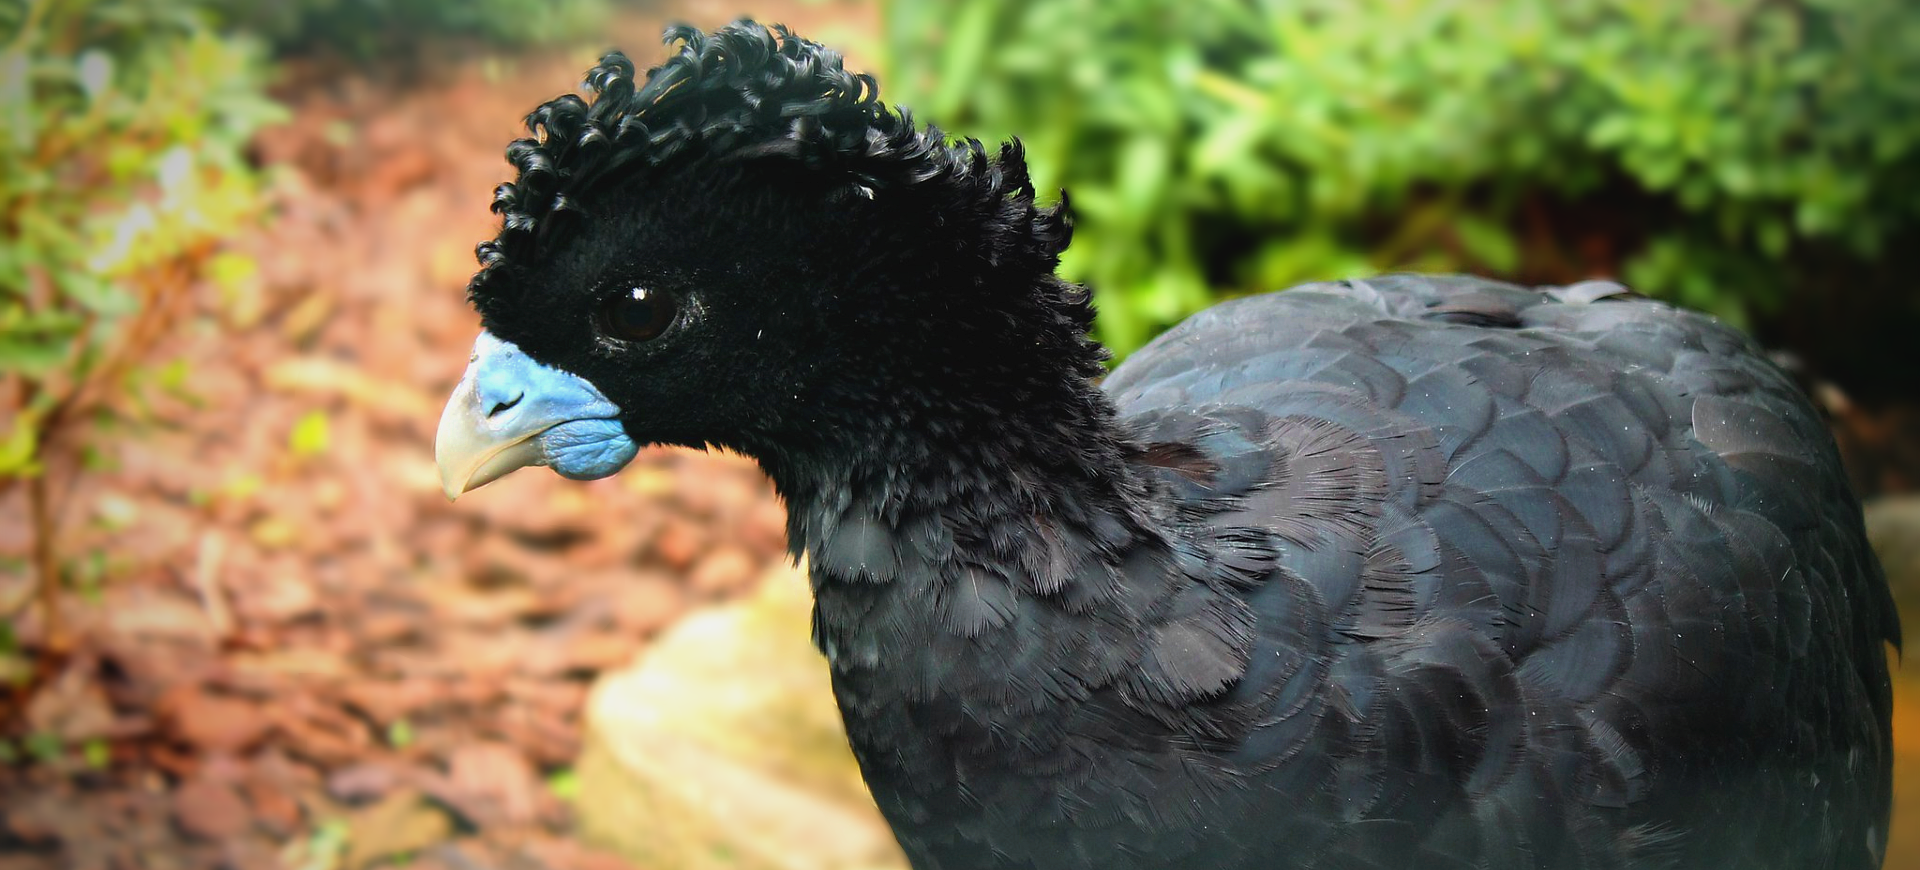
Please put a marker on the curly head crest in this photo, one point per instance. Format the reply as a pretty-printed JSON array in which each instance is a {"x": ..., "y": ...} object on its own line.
[{"x": 744, "y": 91}]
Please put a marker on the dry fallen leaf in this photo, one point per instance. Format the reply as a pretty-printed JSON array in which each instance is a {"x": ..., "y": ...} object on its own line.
[{"x": 402, "y": 822}]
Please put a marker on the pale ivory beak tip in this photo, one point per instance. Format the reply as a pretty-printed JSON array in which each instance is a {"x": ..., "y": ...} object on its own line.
[{"x": 457, "y": 441}]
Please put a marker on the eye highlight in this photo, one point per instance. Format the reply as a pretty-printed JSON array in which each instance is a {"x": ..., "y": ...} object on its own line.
[{"x": 637, "y": 314}]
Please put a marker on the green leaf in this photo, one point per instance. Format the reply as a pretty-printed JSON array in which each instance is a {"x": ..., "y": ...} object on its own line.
[
  {"x": 1610, "y": 131},
  {"x": 97, "y": 294},
  {"x": 45, "y": 747},
  {"x": 1487, "y": 242},
  {"x": 20, "y": 447},
  {"x": 1773, "y": 237},
  {"x": 1228, "y": 144},
  {"x": 31, "y": 355},
  {"x": 1814, "y": 217},
  {"x": 97, "y": 754},
  {"x": 1143, "y": 175},
  {"x": 310, "y": 435},
  {"x": 1661, "y": 171},
  {"x": 16, "y": 104},
  {"x": 963, "y": 55}
]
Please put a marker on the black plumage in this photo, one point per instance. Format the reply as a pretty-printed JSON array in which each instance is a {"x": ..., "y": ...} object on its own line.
[{"x": 1427, "y": 572}]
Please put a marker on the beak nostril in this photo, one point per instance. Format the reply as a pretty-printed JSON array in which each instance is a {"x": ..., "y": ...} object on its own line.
[{"x": 501, "y": 407}]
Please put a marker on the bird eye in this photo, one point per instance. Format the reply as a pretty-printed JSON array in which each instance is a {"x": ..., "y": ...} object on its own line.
[{"x": 637, "y": 314}]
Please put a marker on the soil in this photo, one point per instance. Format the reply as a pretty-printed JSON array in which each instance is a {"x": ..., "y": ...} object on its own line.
[{"x": 305, "y": 656}]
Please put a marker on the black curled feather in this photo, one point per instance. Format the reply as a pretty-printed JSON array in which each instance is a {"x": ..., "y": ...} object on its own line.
[{"x": 747, "y": 91}]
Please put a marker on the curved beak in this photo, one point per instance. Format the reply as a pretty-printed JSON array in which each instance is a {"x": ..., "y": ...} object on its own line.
[
  {"x": 509, "y": 412},
  {"x": 470, "y": 452}
]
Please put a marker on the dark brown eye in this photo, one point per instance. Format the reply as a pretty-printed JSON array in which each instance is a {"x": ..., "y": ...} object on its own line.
[{"x": 638, "y": 314}]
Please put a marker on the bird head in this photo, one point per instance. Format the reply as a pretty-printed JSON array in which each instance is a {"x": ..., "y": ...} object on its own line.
[{"x": 745, "y": 248}]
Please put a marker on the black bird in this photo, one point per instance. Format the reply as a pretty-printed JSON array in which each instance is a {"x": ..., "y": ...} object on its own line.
[{"x": 1410, "y": 572}]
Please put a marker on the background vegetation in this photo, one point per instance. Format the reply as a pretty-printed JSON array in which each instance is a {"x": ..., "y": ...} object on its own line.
[
  {"x": 365, "y": 28},
  {"x": 125, "y": 172},
  {"x": 1725, "y": 154},
  {"x": 123, "y": 167}
]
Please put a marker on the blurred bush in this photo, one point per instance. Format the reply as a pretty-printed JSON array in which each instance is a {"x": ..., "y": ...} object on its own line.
[
  {"x": 1716, "y": 152},
  {"x": 123, "y": 166},
  {"x": 364, "y": 28}
]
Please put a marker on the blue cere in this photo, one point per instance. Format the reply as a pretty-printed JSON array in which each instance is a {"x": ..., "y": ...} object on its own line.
[{"x": 580, "y": 435}]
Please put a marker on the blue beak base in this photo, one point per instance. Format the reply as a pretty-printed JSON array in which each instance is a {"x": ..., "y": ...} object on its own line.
[{"x": 509, "y": 412}]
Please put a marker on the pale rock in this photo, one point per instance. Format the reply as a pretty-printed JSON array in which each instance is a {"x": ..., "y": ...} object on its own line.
[
  {"x": 1893, "y": 525},
  {"x": 720, "y": 748}
]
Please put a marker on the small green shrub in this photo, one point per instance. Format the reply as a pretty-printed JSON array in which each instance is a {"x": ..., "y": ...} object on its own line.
[
  {"x": 122, "y": 129},
  {"x": 367, "y": 27},
  {"x": 1710, "y": 151},
  {"x": 122, "y": 161}
]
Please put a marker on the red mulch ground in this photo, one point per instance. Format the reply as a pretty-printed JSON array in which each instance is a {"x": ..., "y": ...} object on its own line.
[{"x": 305, "y": 656}]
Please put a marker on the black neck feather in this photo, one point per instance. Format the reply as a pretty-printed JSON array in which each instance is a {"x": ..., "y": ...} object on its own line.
[
  {"x": 979, "y": 435},
  {"x": 963, "y": 481}
]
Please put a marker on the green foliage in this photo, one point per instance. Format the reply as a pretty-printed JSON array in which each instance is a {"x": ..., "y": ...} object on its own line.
[
  {"x": 45, "y": 747},
  {"x": 121, "y": 164},
  {"x": 310, "y": 436},
  {"x": 564, "y": 784},
  {"x": 400, "y": 734},
  {"x": 15, "y": 668},
  {"x": 96, "y": 754},
  {"x": 369, "y": 27},
  {"x": 1708, "y": 151},
  {"x": 324, "y": 849}
]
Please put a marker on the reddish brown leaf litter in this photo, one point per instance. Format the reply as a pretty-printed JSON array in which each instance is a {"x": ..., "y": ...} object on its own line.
[{"x": 291, "y": 650}]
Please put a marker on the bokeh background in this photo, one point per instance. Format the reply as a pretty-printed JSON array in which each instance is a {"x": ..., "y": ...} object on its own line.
[{"x": 241, "y": 626}]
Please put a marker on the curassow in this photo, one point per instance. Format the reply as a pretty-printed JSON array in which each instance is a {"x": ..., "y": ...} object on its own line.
[{"x": 1409, "y": 572}]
